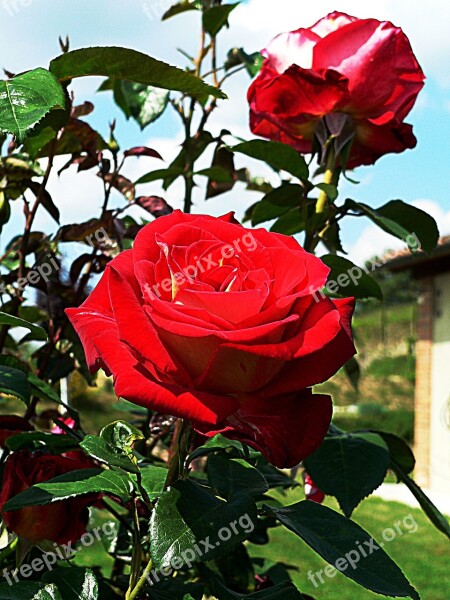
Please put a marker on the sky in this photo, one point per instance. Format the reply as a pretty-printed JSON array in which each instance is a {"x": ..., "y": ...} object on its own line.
[{"x": 30, "y": 30}]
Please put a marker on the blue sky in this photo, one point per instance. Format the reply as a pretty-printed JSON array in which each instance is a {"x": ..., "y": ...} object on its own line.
[{"x": 30, "y": 30}]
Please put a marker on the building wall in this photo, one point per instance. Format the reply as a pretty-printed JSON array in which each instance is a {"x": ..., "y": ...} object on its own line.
[
  {"x": 439, "y": 446},
  {"x": 422, "y": 399}
]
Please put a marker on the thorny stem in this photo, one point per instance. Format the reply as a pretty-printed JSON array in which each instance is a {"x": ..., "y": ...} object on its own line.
[
  {"x": 188, "y": 118},
  {"x": 330, "y": 167},
  {"x": 323, "y": 198},
  {"x": 312, "y": 238}
]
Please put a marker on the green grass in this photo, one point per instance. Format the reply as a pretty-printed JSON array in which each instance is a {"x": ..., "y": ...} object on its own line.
[
  {"x": 402, "y": 365},
  {"x": 423, "y": 555},
  {"x": 398, "y": 421}
]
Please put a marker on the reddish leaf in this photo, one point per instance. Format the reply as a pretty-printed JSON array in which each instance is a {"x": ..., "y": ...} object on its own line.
[
  {"x": 120, "y": 183},
  {"x": 82, "y": 110},
  {"x": 155, "y": 205},
  {"x": 78, "y": 265},
  {"x": 224, "y": 159},
  {"x": 46, "y": 199},
  {"x": 143, "y": 151}
]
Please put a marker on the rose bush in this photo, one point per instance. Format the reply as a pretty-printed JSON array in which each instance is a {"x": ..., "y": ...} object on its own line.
[
  {"x": 361, "y": 67},
  {"x": 209, "y": 321},
  {"x": 63, "y": 521}
]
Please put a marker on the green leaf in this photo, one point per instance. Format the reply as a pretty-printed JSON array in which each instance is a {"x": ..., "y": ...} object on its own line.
[
  {"x": 290, "y": 223},
  {"x": 74, "y": 583},
  {"x": 232, "y": 478},
  {"x": 29, "y": 590},
  {"x": 8, "y": 360},
  {"x": 216, "y": 443},
  {"x": 353, "y": 372},
  {"x": 216, "y": 173},
  {"x": 26, "y": 99},
  {"x": 181, "y": 7},
  {"x": 105, "y": 453},
  {"x": 403, "y": 221},
  {"x": 121, "y": 435},
  {"x": 153, "y": 480},
  {"x": 14, "y": 382},
  {"x": 277, "y": 202},
  {"x": 216, "y": 17},
  {"x": 330, "y": 190},
  {"x": 123, "y": 63},
  {"x": 191, "y": 150},
  {"x": 432, "y": 512},
  {"x": 141, "y": 102},
  {"x": 37, "y": 331},
  {"x": 47, "y": 129},
  {"x": 41, "y": 440},
  {"x": 347, "y": 279},
  {"x": 334, "y": 537},
  {"x": 285, "y": 590},
  {"x": 273, "y": 476},
  {"x": 159, "y": 174},
  {"x": 237, "y": 56},
  {"x": 69, "y": 485},
  {"x": 399, "y": 450},
  {"x": 42, "y": 389},
  {"x": 186, "y": 515},
  {"x": 349, "y": 467},
  {"x": 277, "y": 155}
]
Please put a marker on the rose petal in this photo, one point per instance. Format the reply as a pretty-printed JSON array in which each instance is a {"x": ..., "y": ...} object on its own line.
[{"x": 285, "y": 429}]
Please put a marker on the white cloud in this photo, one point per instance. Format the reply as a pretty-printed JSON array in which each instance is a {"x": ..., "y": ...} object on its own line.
[{"x": 253, "y": 25}]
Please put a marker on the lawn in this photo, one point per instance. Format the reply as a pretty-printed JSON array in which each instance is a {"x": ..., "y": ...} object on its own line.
[{"x": 422, "y": 555}]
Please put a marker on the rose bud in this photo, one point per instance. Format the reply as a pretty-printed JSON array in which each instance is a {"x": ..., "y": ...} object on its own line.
[
  {"x": 12, "y": 425},
  {"x": 312, "y": 492},
  {"x": 63, "y": 521},
  {"x": 218, "y": 324},
  {"x": 362, "y": 68}
]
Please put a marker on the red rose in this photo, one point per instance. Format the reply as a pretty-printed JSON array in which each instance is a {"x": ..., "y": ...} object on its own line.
[
  {"x": 312, "y": 492},
  {"x": 206, "y": 320},
  {"x": 62, "y": 521},
  {"x": 12, "y": 425},
  {"x": 361, "y": 67}
]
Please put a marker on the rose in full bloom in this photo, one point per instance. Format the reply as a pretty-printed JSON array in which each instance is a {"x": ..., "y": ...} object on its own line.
[
  {"x": 63, "y": 521},
  {"x": 360, "y": 67},
  {"x": 207, "y": 320},
  {"x": 12, "y": 425}
]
